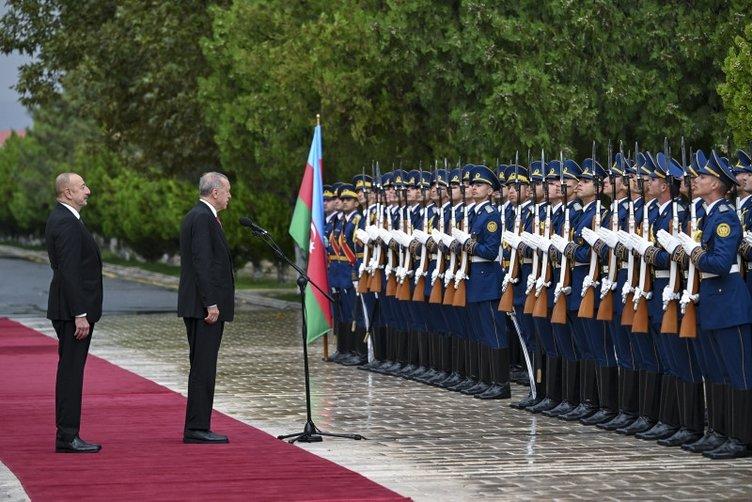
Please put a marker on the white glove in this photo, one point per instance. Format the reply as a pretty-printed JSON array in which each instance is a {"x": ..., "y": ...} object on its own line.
[
  {"x": 586, "y": 283},
  {"x": 461, "y": 236},
  {"x": 624, "y": 238},
  {"x": 387, "y": 270},
  {"x": 385, "y": 235},
  {"x": 529, "y": 240},
  {"x": 421, "y": 236},
  {"x": 362, "y": 236},
  {"x": 608, "y": 236},
  {"x": 373, "y": 232},
  {"x": 590, "y": 236},
  {"x": 447, "y": 240},
  {"x": 559, "y": 242},
  {"x": 530, "y": 283},
  {"x": 748, "y": 237},
  {"x": 668, "y": 295},
  {"x": 688, "y": 243},
  {"x": 639, "y": 244},
  {"x": 361, "y": 269},
  {"x": 686, "y": 298},
  {"x": 436, "y": 235},
  {"x": 512, "y": 239},
  {"x": 668, "y": 241},
  {"x": 543, "y": 242},
  {"x": 625, "y": 290}
]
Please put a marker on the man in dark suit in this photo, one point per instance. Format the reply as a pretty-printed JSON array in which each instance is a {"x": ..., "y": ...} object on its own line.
[
  {"x": 206, "y": 299},
  {"x": 75, "y": 304}
]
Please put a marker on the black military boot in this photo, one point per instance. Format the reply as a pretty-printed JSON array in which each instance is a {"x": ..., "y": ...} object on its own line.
[
  {"x": 457, "y": 359},
  {"x": 423, "y": 359},
  {"x": 692, "y": 408},
  {"x": 628, "y": 401},
  {"x": 433, "y": 357},
  {"x": 649, "y": 404},
  {"x": 529, "y": 400},
  {"x": 411, "y": 355},
  {"x": 570, "y": 390},
  {"x": 588, "y": 393},
  {"x": 499, "y": 375},
  {"x": 668, "y": 414},
  {"x": 553, "y": 386},
  {"x": 471, "y": 367},
  {"x": 484, "y": 372},
  {"x": 740, "y": 436},
  {"x": 608, "y": 396},
  {"x": 715, "y": 435}
]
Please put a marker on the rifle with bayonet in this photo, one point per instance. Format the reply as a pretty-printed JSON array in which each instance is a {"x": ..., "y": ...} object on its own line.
[
  {"x": 627, "y": 292},
  {"x": 449, "y": 289},
  {"x": 422, "y": 270},
  {"x": 543, "y": 281},
  {"x": 608, "y": 284},
  {"x": 463, "y": 273},
  {"x": 690, "y": 296},
  {"x": 394, "y": 258},
  {"x": 563, "y": 287},
  {"x": 643, "y": 292},
  {"x": 672, "y": 292},
  {"x": 378, "y": 261},
  {"x": 506, "y": 304},
  {"x": 530, "y": 296},
  {"x": 591, "y": 281},
  {"x": 363, "y": 275},
  {"x": 437, "y": 276},
  {"x": 406, "y": 268}
]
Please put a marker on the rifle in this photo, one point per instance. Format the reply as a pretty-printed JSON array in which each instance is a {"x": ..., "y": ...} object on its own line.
[
  {"x": 543, "y": 282},
  {"x": 422, "y": 270},
  {"x": 437, "y": 277},
  {"x": 587, "y": 305},
  {"x": 670, "y": 322},
  {"x": 506, "y": 304},
  {"x": 643, "y": 292},
  {"x": 559, "y": 313},
  {"x": 688, "y": 302},
  {"x": 606, "y": 307},
  {"x": 627, "y": 293},
  {"x": 460, "y": 293},
  {"x": 363, "y": 275},
  {"x": 377, "y": 262},
  {"x": 403, "y": 290},
  {"x": 532, "y": 278},
  {"x": 390, "y": 271},
  {"x": 449, "y": 288}
]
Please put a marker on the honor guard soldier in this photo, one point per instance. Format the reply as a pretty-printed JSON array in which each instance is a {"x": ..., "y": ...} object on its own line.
[
  {"x": 724, "y": 304},
  {"x": 365, "y": 309},
  {"x": 484, "y": 287},
  {"x": 743, "y": 173}
]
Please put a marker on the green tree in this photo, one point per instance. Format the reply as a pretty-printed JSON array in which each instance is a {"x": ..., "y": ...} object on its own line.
[{"x": 736, "y": 91}]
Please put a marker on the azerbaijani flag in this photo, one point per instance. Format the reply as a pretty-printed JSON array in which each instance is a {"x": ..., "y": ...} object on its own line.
[{"x": 306, "y": 228}]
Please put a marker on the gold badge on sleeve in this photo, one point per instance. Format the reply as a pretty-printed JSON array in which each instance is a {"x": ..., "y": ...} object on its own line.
[
  {"x": 492, "y": 226},
  {"x": 723, "y": 230}
]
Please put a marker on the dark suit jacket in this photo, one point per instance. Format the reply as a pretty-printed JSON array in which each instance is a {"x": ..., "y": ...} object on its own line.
[
  {"x": 76, "y": 286},
  {"x": 206, "y": 276}
]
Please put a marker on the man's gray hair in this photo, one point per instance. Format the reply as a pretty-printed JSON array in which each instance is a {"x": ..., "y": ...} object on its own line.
[
  {"x": 209, "y": 181},
  {"x": 61, "y": 183}
]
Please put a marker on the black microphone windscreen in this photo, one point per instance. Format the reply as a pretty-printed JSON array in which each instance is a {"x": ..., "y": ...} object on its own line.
[{"x": 246, "y": 222}]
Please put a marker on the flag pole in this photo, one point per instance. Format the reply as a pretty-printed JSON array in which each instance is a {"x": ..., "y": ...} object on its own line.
[{"x": 325, "y": 337}]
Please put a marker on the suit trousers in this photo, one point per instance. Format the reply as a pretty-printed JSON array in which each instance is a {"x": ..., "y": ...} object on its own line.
[
  {"x": 203, "y": 340},
  {"x": 70, "y": 378}
]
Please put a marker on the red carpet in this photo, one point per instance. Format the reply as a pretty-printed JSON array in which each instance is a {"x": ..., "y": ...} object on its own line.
[{"x": 143, "y": 457}]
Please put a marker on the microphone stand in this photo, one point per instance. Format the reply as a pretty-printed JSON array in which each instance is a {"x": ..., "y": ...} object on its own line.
[{"x": 311, "y": 433}]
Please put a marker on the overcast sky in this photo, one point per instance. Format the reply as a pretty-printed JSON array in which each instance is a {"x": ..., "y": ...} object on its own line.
[{"x": 12, "y": 114}]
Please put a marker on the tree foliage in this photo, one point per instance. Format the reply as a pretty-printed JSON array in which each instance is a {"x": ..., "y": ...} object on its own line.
[{"x": 736, "y": 91}]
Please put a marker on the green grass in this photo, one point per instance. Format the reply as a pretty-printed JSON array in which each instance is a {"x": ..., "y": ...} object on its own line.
[
  {"x": 39, "y": 247},
  {"x": 161, "y": 268}
]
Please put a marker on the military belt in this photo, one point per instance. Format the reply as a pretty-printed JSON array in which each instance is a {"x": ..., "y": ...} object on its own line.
[
  {"x": 707, "y": 275},
  {"x": 662, "y": 274},
  {"x": 478, "y": 259}
]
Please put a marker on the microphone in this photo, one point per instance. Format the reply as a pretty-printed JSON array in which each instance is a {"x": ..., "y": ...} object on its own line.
[{"x": 256, "y": 229}]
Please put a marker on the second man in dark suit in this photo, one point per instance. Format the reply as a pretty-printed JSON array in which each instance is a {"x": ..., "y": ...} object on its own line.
[{"x": 206, "y": 300}]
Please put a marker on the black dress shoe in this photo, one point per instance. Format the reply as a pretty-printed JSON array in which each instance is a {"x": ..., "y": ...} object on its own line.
[
  {"x": 710, "y": 441},
  {"x": 599, "y": 417},
  {"x": 406, "y": 370},
  {"x": 732, "y": 448},
  {"x": 682, "y": 436},
  {"x": 464, "y": 384},
  {"x": 561, "y": 409},
  {"x": 202, "y": 437},
  {"x": 478, "y": 388},
  {"x": 583, "y": 410},
  {"x": 658, "y": 431},
  {"x": 642, "y": 424},
  {"x": 355, "y": 360},
  {"x": 544, "y": 405},
  {"x": 77, "y": 445},
  {"x": 451, "y": 381},
  {"x": 437, "y": 379},
  {"x": 618, "y": 422},
  {"x": 524, "y": 403},
  {"x": 496, "y": 391}
]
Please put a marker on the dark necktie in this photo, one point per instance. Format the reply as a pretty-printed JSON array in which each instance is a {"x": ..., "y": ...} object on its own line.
[{"x": 219, "y": 221}]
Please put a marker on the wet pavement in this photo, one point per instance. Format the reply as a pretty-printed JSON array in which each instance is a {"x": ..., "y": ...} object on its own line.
[{"x": 424, "y": 442}]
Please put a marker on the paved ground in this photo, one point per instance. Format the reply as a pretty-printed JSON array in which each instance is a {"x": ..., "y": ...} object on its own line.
[{"x": 426, "y": 443}]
